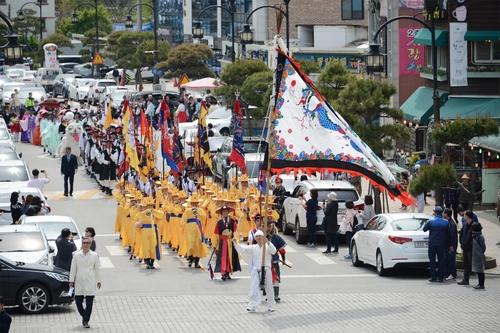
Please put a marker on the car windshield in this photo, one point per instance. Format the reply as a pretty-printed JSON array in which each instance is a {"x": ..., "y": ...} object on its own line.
[
  {"x": 254, "y": 147},
  {"x": 253, "y": 169},
  {"x": 52, "y": 230},
  {"x": 410, "y": 224},
  {"x": 6, "y": 156},
  {"x": 342, "y": 195},
  {"x": 13, "y": 173},
  {"x": 21, "y": 242},
  {"x": 4, "y": 134}
]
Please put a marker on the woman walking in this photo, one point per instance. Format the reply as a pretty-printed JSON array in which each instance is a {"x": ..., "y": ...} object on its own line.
[
  {"x": 478, "y": 249},
  {"x": 311, "y": 206}
]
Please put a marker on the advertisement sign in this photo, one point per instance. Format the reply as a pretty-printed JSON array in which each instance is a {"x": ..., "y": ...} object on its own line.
[
  {"x": 411, "y": 4},
  {"x": 411, "y": 56},
  {"x": 50, "y": 51},
  {"x": 458, "y": 55}
]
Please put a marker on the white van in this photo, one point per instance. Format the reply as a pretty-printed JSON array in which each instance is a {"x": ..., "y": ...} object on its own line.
[{"x": 45, "y": 77}]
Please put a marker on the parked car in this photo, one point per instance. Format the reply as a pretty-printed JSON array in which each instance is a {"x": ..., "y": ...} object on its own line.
[
  {"x": 36, "y": 92},
  {"x": 294, "y": 214},
  {"x": 9, "y": 88},
  {"x": 118, "y": 94},
  {"x": 96, "y": 92},
  {"x": 67, "y": 68},
  {"x": 61, "y": 84},
  {"x": 15, "y": 73},
  {"x": 220, "y": 118},
  {"x": 9, "y": 153},
  {"x": 392, "y": 240},
  {"x": 4, "y": 79},
  {"x": 25, "y": 243},
  {"x": 85, "y": 70},
  {"x": 5, "y": 192},
  {"x": 46, "y": 77},
  {"x": 33, "y": 287},
  {"x": 14, "y": 173},
  {"x": 6, "y": 138},
  {"x": 78, "y": 89},
  {"x": 52, "y": 225},
  {"x": 29, "y": 77}
]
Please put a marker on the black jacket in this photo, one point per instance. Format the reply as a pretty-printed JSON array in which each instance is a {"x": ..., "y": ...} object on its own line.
[
  {"x": 68, "y": 168},
  {"x": 5, "y": 321},
  {"x": 330, "y": 223},
  {"x": 452, "y": 234},
  {"x": 65, "y": 249},
  {"x": 466, "y": 237}
]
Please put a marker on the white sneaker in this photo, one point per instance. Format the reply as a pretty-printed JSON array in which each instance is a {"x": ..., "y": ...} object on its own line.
[
  {"x": 270, "y": 310},
  {"x": 250, "y": 308},
  {"x": 449, "y": 278}
]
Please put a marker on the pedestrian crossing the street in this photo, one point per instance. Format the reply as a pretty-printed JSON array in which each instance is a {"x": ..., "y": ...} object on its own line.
[{"x": 77, "y": 195}]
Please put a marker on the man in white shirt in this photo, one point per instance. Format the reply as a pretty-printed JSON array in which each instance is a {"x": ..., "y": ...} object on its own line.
[
  {"x": 254, "y": 253},
  {"x": 85, "y": 277},
  {"x": 38, "y": 182}
]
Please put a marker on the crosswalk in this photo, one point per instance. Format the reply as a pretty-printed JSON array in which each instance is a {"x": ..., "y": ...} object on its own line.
[{"x": 77, "y": 195}]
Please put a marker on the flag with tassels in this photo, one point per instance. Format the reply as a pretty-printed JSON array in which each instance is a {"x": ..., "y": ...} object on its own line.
[
  {"x": 129, "y": 135},
  {"x": 203, "y": 136},
  {"x": 108, "y": 119},
  {"x": 238, "y": 152},
  {"x": 177, "y": 150},
  {"x": 166, "y": 141}
]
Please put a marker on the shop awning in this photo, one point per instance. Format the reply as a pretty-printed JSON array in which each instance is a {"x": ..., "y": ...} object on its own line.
[
  {"x": 491, "y": 142},
  {"x": 482, "y": 35},
  {"x": 418, "y": 107},
  {"x": 471, "y": 107},
  {"x": 423, "y": 36}
]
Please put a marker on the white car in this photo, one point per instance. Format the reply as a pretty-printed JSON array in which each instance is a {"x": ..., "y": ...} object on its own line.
[
  {"x": 78, "y": 89},
  {"x": 4, "y": 79},
  {"x": 9, "y": 88},
  {"x": 14, "y": 173},
  {"x": 97, "y": 91},
  {"x": 29, "y": 77},
  {"x": 25, "y": 243},
  {"x": 36, "y": 92},
  {"x": 294, "y": 213},
  {"x": 117, "y": 94},
  {"x": 52, "y": 225},
  {"x": 15, "y": 73},
  {"x": 220, "y": 118},
  {"x": 5, "y": 193},
  {"x": 392, "y": 240},
  {"x": 6, "y": 138}
]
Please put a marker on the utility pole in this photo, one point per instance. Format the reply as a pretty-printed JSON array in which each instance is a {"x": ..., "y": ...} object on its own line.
[{"x": 139, "y": 15}]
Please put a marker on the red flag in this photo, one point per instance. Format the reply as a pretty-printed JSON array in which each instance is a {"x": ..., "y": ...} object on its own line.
[
  {"x": 237, "y": 108},
  {"x": 145, "y": 128}
]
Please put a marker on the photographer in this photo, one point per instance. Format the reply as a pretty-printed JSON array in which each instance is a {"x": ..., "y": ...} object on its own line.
[
  {"x": 37, "y": 181},
  {"x": 65, "y": 249}
]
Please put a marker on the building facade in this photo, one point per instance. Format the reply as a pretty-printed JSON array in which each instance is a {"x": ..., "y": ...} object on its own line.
[{"x": 11, "y": 8}]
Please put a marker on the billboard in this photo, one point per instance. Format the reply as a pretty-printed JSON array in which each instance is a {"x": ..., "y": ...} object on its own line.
[{"x": 411, "y": 56}]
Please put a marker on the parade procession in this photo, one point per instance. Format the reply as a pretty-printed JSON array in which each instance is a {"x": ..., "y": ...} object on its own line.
[{"x": 249, "y": 166}]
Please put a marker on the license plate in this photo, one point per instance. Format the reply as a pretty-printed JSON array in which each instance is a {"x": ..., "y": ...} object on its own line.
[{"x": 420, "y": 244}]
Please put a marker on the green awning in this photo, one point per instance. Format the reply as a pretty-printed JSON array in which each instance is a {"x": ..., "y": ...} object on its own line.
[
  {"x": 482, "y": 35},
  {"x": 423, "y": 36},
  {"x": 471, "y": 107},
  {"x": 418, "y": 107},
  {"x": 491, "y": 142}
]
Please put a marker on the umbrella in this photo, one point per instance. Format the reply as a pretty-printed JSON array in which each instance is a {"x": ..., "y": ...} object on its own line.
[{"x": 50, "y": 103}]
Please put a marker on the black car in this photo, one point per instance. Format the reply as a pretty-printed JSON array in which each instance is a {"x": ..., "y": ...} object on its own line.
[{"x": 33, "y": 287}]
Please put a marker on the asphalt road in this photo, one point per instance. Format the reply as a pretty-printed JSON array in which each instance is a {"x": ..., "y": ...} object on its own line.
[{"x": 316, "y": 290}]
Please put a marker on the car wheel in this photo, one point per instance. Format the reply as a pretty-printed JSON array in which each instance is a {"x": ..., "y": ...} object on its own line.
[
  {"x": 299, "y": 235},
  {"x": 354, "y": 256},
  {"x": 33, "y": 298},
  {"x": 380, "y": 264},
  {"x": 286, "y": 229}
]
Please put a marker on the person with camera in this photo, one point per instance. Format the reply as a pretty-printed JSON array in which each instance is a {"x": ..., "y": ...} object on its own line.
[
  {"x": 38, "y": 182},
  {"x": 65, "y": 249}
]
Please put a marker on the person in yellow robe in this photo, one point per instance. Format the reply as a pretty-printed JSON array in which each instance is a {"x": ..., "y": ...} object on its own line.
[
  {"x": 149, "y": 249},
  {"x": 194, "y": 218}
]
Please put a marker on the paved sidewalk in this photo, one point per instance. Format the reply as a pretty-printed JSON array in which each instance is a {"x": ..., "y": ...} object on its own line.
[{"x": 436, "y": 311}]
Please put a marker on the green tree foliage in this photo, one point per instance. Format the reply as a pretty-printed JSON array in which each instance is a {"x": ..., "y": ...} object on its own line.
[
  {"x": 190, "y": 59},
  {"x": 363, "y": 103},
  {"x": 86, "y": 22},
  {"x": 309, "y": 66},
  {"x": 236, "y": 73},
  {"x": 57, "y": 38},
  {"x": 253, "y": 90},
  {"x": 461, "y": 131},
  {"x": 333, "y": 78},
  {"x": 432, "y": 177}
]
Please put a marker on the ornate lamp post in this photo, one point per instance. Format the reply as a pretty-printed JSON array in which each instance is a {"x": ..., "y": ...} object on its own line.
[{"x": 20, "y": 14}]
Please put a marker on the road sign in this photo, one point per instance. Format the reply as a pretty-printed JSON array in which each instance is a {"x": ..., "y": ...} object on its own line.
[{"x": 98, "y": 60}]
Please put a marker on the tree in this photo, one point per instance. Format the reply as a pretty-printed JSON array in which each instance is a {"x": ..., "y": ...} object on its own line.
[
  {"x": 461, "y": 131},
  {"x": 190, "y": 59},
  {"x": 255, "y": 89},
  {"x": 432, "y": 177},
  {"x": 333, "y": 78},
  {"x": 236, "y": 73},
  {"x": 56, "y": 38},
  {"x": 364, "y": 103},
  {"x": 86, "y": 22},
  {"x": 309, "y": 66}
]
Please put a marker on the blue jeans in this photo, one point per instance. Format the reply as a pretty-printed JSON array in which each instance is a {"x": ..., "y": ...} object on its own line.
[
  {"x": 348, "y": 237},
  {"x": 437, "y": 269},
  {"x": 451, "y": 263}
]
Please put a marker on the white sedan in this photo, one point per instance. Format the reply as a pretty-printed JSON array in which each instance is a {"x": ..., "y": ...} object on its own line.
[
  {"x": 78, "y": 89},
  {"x": 52, "y": 225},
  {"x": 392, "y": 240}
]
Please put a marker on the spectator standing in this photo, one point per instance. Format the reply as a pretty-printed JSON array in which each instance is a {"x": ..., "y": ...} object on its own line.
[
  {"x": 368, "y": 210},
  {"x": 85, "y": 277},
  {"x": 38, "y": 182},
  {"x": 438, "y": 240},
  {"x": 466, "y": 245},
  {"x": 330, "y": 224},
  {"x": 90, "y": 233},
  {"x": 348, "y": 223},
  {"x": 116, "y": 76},
  {"x": 65, "y": 249},
  {"x": 311, "y": 207},
  {"x": 69, "y": 165},
  {"x": 478, "y": 250},
  {"x": 5, "y": 319},
  {"x": 451, "y": 253},
  {"x": 15, "y": 207}
]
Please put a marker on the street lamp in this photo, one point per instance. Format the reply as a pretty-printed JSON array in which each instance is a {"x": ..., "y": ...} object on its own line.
[
  {"x": 246, "y": 36},
  {"x": 13, "y": 51},
  {"x": 74, "y": 20},
  {"x": 374, "y": 60},
  {"x": 21, "y": 17},
  {"x": 231, "y": 10},
  {"x": 129, "y": 24},
  {"x": 286, "y": 13}
]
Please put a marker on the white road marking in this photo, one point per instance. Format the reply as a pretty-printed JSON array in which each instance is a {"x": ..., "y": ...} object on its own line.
[
  {"x": 319, "y": 258},
  {"x": 309, "y": 276},
  {"x": 107, "y": 235},
  {"x": 289, "y": 249},
  {"x": 116, "y": 250},
  {"x": 106, "y": 262}
]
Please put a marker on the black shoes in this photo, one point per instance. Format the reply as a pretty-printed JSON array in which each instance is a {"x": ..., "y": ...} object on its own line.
[
  {"x": 86, "y": 325},
  {"x": 478, "y": 287},
  {"x": 432, "y": 280},
  {"x": 463, "y": 283},
  {"x": 326, "y": 252}
]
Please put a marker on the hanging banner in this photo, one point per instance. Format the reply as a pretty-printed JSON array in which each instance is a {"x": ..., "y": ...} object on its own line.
[
  {"x": 411, "y": 56},
  {"x": 458, "y": 55},
  {"x": 412, "y": 4},
  {"x": 50, "y": 53}
]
